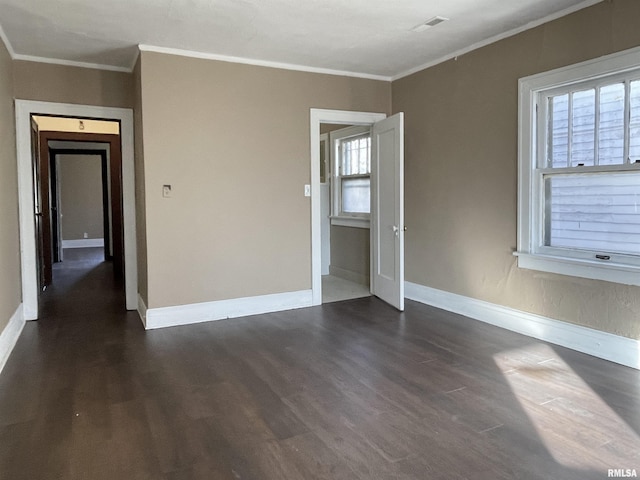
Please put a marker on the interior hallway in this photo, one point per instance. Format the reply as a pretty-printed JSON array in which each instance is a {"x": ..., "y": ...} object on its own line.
[{"x": 348, "y": 390}]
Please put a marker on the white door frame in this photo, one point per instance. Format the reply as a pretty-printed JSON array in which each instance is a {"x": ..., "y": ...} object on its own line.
[
  {"x": 29, "y": 261},
  {"x": 318, "y": 116}
]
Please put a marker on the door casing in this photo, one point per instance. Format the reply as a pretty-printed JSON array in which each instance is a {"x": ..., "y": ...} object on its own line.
[
  {"x": 338, "y": 117},
  {"x": 24, "y": 110}
]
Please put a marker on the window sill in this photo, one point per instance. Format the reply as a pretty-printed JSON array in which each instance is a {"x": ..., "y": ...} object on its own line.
[
  {"x": 357, "y": 222},
  {"x": 595, "y": 270}
]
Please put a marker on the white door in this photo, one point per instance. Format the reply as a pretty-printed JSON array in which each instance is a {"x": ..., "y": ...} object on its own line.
[{"x": 387, "y": 212}]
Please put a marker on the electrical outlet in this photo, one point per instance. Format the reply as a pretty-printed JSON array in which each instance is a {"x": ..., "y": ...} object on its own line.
[{"x": 86, "y": 235}]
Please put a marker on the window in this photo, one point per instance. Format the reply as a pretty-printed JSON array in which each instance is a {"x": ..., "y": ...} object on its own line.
[
  {"x": 579, "y": 170},
  {"x": 351, "y": 182}
]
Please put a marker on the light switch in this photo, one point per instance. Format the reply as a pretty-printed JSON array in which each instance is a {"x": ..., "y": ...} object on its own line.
[
  {"x": 166, "y": 191},
  {"x": 307, "y": 190}
]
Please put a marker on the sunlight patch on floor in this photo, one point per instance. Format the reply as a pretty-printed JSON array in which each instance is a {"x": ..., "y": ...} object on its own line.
[{"x": 556, "y": 399}]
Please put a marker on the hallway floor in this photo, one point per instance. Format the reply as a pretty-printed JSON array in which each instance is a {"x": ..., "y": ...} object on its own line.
[
  {"x": 348, "y": 390},
  {"x": 336, "y": 289}
]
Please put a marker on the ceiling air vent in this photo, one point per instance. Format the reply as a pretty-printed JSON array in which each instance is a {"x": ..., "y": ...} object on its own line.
[{"x": 432, "y": 22}]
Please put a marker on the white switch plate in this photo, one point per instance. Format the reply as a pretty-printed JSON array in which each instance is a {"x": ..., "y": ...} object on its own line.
[
  {"x": 307, "y": 190},
  {"x": 166, "y": 191}
]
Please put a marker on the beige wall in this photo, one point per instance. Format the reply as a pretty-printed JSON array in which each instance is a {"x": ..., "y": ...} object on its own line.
[
  {"x": 64, "y": 84},
  {"x": 81, "y": 196},
  {"x": 350, "y": 253},
  {"x": 461, "y": 171},
  {"x": 10, "y": 288},
  {"x": 233, "y": 141},
  {"x": 141, "y": 215}
]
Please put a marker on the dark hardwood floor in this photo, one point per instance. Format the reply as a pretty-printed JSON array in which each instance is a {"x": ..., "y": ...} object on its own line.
[{"x": 350, "y": 390}]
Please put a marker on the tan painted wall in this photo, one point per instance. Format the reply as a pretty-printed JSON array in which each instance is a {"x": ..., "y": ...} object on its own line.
[
  {"x": 81, "y": 196},
  {"x": 461, "y": 171},
  {"x": 64, "y": 84},
  {"x": 10, "y": 288},
  {"x": 141, "y": 214},
  {"x": 233, "y": 141},
  {"x": 350, "y": 253}
]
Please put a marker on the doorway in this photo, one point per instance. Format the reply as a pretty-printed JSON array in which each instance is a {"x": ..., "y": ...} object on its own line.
[
  {"x": 24, "y": 112},
  {"x": 80, "y": 199},
  {"x": 387, "y": 228},
  {"x": 345, "y": 168},
  {"x": 46, "y": 211}
]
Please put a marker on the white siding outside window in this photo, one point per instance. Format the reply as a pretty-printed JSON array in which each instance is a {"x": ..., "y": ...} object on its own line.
[{"x": 579, "y": 170}]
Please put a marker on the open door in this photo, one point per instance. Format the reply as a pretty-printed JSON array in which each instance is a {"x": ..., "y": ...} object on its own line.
[
  {"x": 387, "y": 212},
  {"x": 44, "y": 276}
]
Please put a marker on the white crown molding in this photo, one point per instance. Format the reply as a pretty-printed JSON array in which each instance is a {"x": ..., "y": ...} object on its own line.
[
  {"x": 497, "y": 38},
  {"x": 7, "y": 43},
  {"x": 622, "y": 350},
  {"x": 289, "y": 66},
  {"x": 135, "y": 60},
  {"x": 9, "y": 336},
  {"x": 260, "y": 63},
  {"x": 222, "y": 309},
  {"x": 71, "y": 63}
]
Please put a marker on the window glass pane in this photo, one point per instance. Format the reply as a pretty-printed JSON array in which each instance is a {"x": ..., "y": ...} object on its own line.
[
  {"x": 598, "y": 212},
  {"x": 559, "y": 130},
  {"x": 611, "y": 125},
  {"x": 583, "y": 118},
  {"x": 356, "y": 156},
  {"x": 356, "y": 195},
  {"x": 634, "y": 127}
]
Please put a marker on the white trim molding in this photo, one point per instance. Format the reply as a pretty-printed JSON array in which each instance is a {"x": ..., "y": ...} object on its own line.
[
  {"x": 607, "y": 346},
  {"x": 223, "y": 309},
  {"x": 83, "y": 243},
  {"x": 24, "y": 110},
  {"x": 10, "y": 335},
  {"x": 71, "y": 63},
  {"x": 260, "y": 63}
]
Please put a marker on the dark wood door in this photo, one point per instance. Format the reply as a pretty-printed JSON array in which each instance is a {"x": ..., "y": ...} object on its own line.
[
  {"x": 40, "y": 196},
  {"x": 115, "y": 166},
  {"x": 44, "y": 214}
]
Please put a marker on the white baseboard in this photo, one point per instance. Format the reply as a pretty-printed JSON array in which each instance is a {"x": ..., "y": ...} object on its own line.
[
  {"x": 237, "y": 307},
  {"x": 142, "y": 311},
  {"x": 359, "y": 278},
  {"x": 10, "y": 334},
  {"x": 83, "y": 243},
  {"x": 614, "y": 348}
]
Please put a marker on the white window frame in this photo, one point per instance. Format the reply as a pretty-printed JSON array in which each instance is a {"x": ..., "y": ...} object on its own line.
[
  {"x": 338, "y": 217},
  {"x": 531, "y": 251}
]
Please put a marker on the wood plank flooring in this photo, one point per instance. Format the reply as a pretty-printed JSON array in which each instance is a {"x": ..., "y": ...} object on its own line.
[{"x": 349, "y": 390}]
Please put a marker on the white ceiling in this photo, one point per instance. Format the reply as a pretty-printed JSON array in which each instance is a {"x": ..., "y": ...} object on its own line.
[{"x": 370, "y": 38}]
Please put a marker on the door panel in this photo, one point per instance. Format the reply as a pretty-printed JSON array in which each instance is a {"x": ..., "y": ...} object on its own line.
[
  {"x": 37, "y": 202},
  {"x": 387, "y": 213}
]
